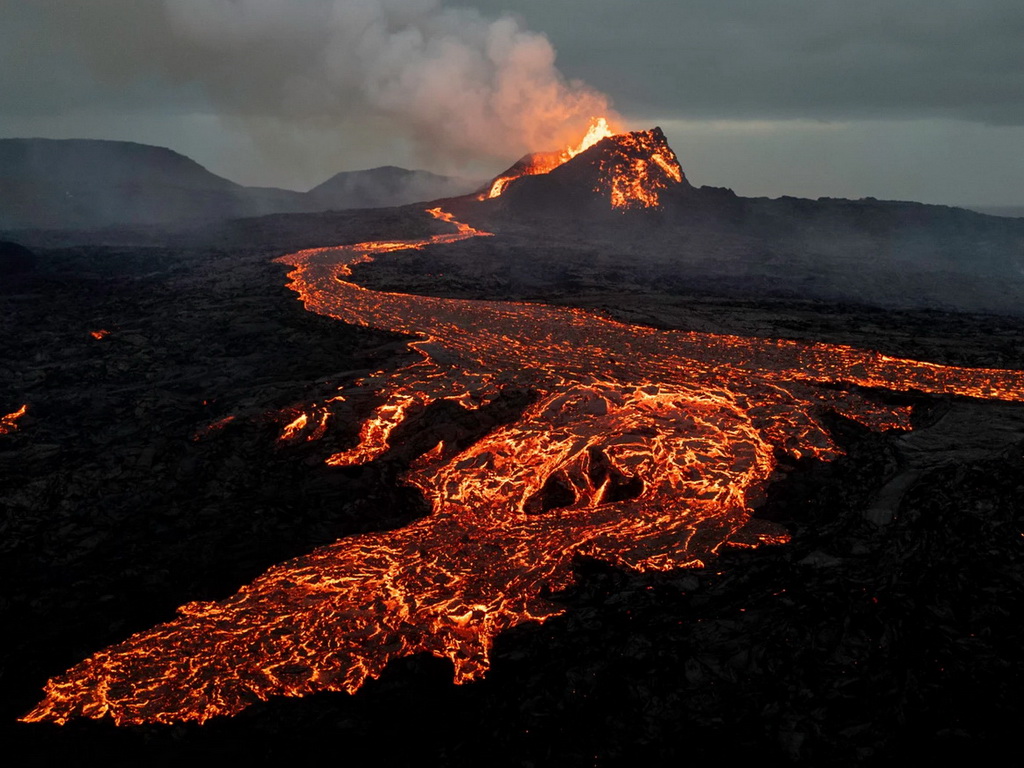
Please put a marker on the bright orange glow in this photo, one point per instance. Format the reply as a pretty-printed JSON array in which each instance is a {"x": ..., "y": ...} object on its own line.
[
  {"x": 599, "y": 129},
  {"x": 99, "y": 335},
  {"x": 641, "y": 166},
  {"x": 545, "y": 162},
  {"x": 294, "y": 429},
  {"x": 309, "y": 424},
  {"x": 642, "y": 448},
  {"x": 9, "y": 423}
]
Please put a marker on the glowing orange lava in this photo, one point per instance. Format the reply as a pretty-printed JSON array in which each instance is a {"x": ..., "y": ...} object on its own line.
[
  {"x": 9, "y": 423},
  {"x": 100, "y": 334},
  {"x": 637, "y": 169},
  {"x": 545, "y": 162},
  {"x": 310, "y": 424},
  {"x": 633, "y": 169},
  {"x": 642, "y": 448}
]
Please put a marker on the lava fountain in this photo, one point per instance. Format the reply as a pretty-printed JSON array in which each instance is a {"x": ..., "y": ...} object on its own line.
[
  {"x": 641, "y": 448},
  {"x": 544, "y": 162}
]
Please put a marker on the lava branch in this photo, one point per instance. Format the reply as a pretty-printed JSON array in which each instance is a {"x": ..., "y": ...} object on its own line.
[
  {"x": 9, "y": 423},
  {"x": 652, "y": 464}
]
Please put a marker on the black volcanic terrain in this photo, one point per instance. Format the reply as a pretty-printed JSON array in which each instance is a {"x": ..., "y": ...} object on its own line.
[{"x": 887, "y": 630}]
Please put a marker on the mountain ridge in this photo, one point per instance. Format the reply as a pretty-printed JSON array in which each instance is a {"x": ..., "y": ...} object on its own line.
[{"x": 95, "y": 183}]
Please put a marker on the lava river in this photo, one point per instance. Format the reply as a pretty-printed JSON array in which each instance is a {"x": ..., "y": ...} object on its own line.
[{"x": 641, "y": 448}]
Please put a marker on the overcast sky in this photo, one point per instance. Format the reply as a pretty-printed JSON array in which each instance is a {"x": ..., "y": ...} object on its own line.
[{"x": 904, "y": 99}]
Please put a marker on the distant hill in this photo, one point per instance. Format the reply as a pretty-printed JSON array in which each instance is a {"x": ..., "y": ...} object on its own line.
[
  {"x": 47, "y": 183},
  {"x": 1007, "y": 211},
  {"x": 83, "y": 184},
  {"x": 386, "y": 187}
]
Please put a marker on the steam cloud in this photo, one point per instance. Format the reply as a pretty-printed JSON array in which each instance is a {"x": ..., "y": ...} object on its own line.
[{"x": 457, "y": 85}]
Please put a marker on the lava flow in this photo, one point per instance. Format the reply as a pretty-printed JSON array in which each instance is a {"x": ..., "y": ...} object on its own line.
[
  {"x": 9, "y": 423},
  {"x": 641, "y": 448},
  {"x": 309, "y": 424}
]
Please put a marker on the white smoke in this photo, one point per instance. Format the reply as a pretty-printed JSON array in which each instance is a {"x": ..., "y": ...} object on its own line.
[{"x": 457, "y": 86}]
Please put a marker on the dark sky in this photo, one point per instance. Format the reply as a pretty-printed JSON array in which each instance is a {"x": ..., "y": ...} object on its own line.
[{"x": 910, "y": 99}]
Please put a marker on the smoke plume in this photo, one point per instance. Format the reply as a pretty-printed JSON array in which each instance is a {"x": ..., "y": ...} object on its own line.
[{"x": 454, "y": 84}]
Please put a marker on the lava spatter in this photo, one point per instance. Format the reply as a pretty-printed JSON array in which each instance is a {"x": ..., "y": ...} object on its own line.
[
  {"x": 637, "y": 168},
  {"x": 641, "y": 448}
]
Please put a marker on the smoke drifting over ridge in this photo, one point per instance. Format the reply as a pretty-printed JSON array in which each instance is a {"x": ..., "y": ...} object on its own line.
[{"x": 457, "y": 86}]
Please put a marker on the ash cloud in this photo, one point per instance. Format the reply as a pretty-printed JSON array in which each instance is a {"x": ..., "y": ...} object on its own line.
[{"x": 456, "y": 85}]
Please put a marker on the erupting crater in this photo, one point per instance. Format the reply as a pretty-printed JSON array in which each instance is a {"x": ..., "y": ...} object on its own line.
[
  {"x": 642, "y": 448},
  {"x": 630, "y": 170},
  {"x": 544, "y": 162}
]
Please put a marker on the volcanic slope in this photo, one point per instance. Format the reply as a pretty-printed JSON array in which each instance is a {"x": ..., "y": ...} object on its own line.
[{"x": 706, "y": 241}]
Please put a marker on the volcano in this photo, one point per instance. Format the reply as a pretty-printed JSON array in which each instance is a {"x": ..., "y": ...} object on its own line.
[
  {"x": 625, "y": 171},
  {"x": 628, "y": 195}
]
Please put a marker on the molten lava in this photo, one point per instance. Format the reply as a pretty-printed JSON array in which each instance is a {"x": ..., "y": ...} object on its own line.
[
  {"x": 632, "y": 169},
  {"x": 100, "y": 334},
  {"x": 642, "y": 448},
  {"x": 309, "y": 424},
  {"x": 9, "y": 423},
  {"x": 636, "y": 168},
  {"x": 545, "y": 162}
]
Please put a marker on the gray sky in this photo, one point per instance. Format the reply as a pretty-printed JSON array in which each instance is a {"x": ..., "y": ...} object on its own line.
[{"x": 906, "y": 99}]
